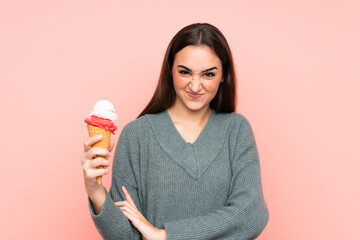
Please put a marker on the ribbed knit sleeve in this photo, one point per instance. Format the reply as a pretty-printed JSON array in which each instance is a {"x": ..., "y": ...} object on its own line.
[
  {"x": 111, "y": 222},
  {"x": 245, "y": 213}
]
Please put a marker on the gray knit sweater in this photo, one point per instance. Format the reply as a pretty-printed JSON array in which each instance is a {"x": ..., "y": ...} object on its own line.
[{"x": 210, "y": 189}]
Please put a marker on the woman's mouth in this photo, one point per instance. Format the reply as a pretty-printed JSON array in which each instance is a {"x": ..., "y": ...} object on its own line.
[{"x": 193, "y": 95}]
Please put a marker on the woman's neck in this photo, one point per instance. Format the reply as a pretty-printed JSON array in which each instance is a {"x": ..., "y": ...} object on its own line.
[{"x": 180, "y": 113}]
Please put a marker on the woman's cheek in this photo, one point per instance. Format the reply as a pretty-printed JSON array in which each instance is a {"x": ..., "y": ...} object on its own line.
[{"x": 184, "y": 81}]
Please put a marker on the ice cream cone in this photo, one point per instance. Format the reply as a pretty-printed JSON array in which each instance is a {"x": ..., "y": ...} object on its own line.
[{"x": 103, "y": 143}]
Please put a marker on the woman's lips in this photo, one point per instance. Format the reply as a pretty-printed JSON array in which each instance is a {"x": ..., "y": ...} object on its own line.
[{"x": 193, "y": 95}]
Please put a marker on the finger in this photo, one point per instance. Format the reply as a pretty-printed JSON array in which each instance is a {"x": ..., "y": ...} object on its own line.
[
  {"x": 97, "y": 152},
  {"x": 111, "y": 145},
  {"x": 137, "y": 220},
  {"x": 96, "y": 163},
  {"x": 99, "y": 161},
  {"x": 119, "y": 203},
  {"x": 127, "y": 204},
  {"x": 92, "y": 174},
  {"x": 128, "y": 208},
  {"x": 91, "y": 141},
  {"x": 83, "y": 159},
  {"x": 129, "y": 214},
  {"x": 127, "y": 196}
]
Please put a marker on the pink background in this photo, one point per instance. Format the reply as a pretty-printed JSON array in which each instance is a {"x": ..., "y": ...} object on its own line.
[{"x": 298, "y": 70}]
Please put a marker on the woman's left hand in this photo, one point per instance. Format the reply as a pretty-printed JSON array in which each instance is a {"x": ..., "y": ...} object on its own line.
[{"x": 148, "y": 231}]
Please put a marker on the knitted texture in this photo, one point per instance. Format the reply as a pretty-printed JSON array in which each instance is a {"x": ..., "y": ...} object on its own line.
[{"x": 210, "y": 189}]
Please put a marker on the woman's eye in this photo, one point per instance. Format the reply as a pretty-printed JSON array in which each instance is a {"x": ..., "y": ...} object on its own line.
[
  {"x": 183, "y": 72},
  {"x": 209, "y": 74}
]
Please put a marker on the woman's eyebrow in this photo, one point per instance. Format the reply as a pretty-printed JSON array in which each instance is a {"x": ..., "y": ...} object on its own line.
[{"x": 201, "y": 71}]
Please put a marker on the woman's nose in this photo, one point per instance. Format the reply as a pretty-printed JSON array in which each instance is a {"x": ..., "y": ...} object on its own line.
[{"x": 195, "y": 84}]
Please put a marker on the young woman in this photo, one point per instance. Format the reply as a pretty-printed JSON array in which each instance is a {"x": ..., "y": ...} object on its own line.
[{"x": 188, "y": 166}]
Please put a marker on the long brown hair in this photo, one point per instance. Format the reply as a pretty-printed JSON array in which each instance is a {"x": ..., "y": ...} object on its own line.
[{"x": 196, "y": 34}]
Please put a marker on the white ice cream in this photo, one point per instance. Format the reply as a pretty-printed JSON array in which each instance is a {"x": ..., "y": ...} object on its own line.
[{"x": 104, "y": 109}]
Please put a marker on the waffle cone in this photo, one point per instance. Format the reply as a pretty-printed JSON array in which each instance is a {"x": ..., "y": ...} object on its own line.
[{"x": 103, "y": 143}]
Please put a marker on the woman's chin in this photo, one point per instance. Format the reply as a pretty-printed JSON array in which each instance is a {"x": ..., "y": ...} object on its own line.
[{"x": 196, "y": 107}]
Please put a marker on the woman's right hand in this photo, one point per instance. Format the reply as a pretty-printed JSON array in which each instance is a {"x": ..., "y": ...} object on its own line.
[{"x": 90, "y": 162}]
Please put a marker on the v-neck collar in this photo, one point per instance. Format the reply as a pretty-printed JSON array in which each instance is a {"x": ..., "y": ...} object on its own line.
[
  {"x": 204, "y": 128},
  {"x": 195, "y": 157}
]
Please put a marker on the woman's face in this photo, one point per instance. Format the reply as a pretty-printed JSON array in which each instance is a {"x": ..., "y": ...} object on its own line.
[{"x": 197, "y": 74}]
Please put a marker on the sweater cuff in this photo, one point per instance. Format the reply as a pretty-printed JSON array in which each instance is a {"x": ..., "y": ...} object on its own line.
[{"x": 104, "y": 221}]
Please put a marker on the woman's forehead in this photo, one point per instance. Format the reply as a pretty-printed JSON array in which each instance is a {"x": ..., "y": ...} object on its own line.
[{"x": 197, "y": 58}]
